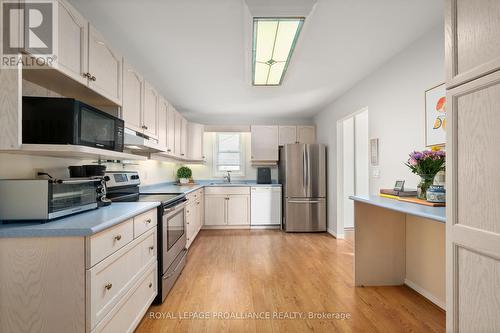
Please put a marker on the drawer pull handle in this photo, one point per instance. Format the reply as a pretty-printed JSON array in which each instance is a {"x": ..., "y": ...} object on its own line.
[
  {"x": 148, "y": 221},
  {"x": 108, "y": 286},
  {"x": 118, "y": 237},
  {"x": 151, "y": 248},
  {"x": 150, "y": 284}
]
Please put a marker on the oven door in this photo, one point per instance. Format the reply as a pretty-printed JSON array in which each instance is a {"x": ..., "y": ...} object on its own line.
[
  {"x": 96, "y": 129},
  {"x": 173, "y": 233},
  {"x": 72, "y": 196}
]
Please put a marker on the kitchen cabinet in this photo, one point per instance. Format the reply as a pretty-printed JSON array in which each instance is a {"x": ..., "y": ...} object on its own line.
[
  {"x": 265, "y": 142},
  {"x": 72, "y": 51},
  {"x": 184, "y": 137},
  {"x": 150, "y": 113},
  {"x": 133, "y": 84},
  {"x": 108, "y": 282},
  {"x": 306, "y": 134},
  {"x": 287, "y": 135},
  {"x": 105, "y": 67},
  {"x": 472, "y": 43},
  {"x": 195, "y": 141},
  {"x": 162, "y": 121},
  {"x": 177, "y": 134},
  {"x": 170, "y": 129},
  {"x": 227, "y": 207},
  {"x": 194, "y": 215}
]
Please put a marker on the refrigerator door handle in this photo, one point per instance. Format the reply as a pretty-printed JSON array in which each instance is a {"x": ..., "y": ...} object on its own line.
[
  {"x": 303, "y": 201},
  {"x": 304, "y": 168}
]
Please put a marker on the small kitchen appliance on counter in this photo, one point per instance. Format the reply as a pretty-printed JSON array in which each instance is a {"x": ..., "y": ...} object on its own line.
[{"x": 264, "y": 176}]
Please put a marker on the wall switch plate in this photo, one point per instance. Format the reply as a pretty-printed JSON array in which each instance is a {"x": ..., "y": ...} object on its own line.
[{"x": 375, "y": 172}]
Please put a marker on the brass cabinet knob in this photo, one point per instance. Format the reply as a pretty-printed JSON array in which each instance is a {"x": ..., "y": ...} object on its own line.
[
  {"x": 108, "y": 286},
  {"x": 150, "y": 284},
  {"x": 151, "y": 248},
  {"x": 118, "y": 237},
  {"x": 148, "y": 221}
]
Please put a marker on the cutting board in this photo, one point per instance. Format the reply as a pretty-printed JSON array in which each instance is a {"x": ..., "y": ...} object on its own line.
[{"x": 422, "y": 202}]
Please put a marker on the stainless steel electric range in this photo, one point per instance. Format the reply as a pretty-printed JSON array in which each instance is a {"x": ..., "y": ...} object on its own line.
[{"x": 123, "y": 186}]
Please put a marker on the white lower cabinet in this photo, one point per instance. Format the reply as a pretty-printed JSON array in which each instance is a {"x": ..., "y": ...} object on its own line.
[
  {"x": 194, "y": 215},
  {"x": 227, "y": 207}
]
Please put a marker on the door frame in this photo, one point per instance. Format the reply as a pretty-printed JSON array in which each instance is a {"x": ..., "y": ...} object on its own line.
[{"x": 339, "y": 233}]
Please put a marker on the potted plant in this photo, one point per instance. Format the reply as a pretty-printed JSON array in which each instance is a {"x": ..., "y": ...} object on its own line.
[
  {"x": 426, "y": 164},
  {"x": 184, "y": 173}
]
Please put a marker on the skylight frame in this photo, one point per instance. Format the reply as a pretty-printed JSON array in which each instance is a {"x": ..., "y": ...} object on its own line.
[{"x": 290, "y": 53}]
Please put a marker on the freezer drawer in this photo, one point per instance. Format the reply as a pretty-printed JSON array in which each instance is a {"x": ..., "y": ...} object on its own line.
[{"x": 305, "y": 215}]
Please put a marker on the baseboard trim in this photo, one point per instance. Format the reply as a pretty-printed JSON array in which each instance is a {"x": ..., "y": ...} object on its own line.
[
  {"x": 334, "y": 234},
  {"x": 348, "y": 228},
  {"x": 425, "y": 293},
  {"x": 212, "y": 227}
]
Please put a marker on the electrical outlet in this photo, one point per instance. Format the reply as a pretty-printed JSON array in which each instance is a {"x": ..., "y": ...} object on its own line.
[{"x": 36, "y": 171}]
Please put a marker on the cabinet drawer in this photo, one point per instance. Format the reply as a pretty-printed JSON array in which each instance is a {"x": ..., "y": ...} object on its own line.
[
  {"x": 112, "y": 278},
  {"x": 109, "y": 241},
  {"x": 129, "y": 311},
  {"x": 193, "y": 196},
  {"x": 227, "y": 190},
  {"x": 144, "y": 222}
]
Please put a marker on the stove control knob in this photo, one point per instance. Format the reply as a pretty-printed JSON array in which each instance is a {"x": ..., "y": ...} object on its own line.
[{"x": 134, "y": 177}]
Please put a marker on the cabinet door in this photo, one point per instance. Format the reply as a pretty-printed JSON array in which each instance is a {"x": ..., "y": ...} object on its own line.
[
  {"x": 306, "y": 134},
  {"x": 170, "y": 129},
  {"x": 472, "y": 41},
  {"x": 238, "y": 210},
  {"x": 215, "y": 210},
  {"x": 288, "y": 134},
  {"x": 265, "y": 143},
  {"x": 195, "y": 140},
  {"x": 177, "y": 134},
  {"x": 184, "y": 137},
  {"x": 105, "y": 67},
  {"x": 72, "y": 52},
  {"x": 472, "y": 210},
  {"x": 150, "y": 111},
  {"x": 191, "y": 224},
  {"x": 133, "y": 84},
  {"x": 162, "y": 121}
]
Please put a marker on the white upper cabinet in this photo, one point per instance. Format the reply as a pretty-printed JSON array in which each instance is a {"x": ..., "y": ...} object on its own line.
[
  {"x": 72, "y": 46},
  {"x": 162, "y": 121},
  {"x": 306, "y": 134},
  {"x": 105, "y": 68},
  {"x": 178, "y": 134},
  {"x": 265, "y": 143},
  {"x": 133, "y": 84},
  {"x": 150, "y": 113},
  {"x": 472, "y": 45},
  {"x": 288, "y": 134},
  {"x": 184, "y": 137},
  {"x": 195, "y": 141},
  {"x": 170, "y": 130}
]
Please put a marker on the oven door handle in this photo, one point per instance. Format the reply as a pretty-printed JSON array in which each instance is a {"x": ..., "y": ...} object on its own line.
[
  {"x": 176, "y": 208},
  {"x": 77, "y": 181},
  {"x": 176, "y": 267}
]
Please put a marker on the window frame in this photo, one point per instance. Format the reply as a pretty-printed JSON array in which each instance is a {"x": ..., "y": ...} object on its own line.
[{"x": 215, "y": 158}]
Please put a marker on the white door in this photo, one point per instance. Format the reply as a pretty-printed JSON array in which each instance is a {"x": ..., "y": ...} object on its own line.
[
  {"x": 265, "y": 142},
  {"x": 306, "y": 134},
  {"x": 162, "y": 121},
  {"x": 72, "y": 52},
  {"x": 287, "y": 135},
  {"x": 105, "y": 68},
  {"x": 150, "y": 111},
  {"x": 354, "y": 167},
  {"x": 132, "y": 97},
  {"x": 215, "y": 210},
  {"x": 238, "y": 210},
  {"x": 170, "y": 129}
]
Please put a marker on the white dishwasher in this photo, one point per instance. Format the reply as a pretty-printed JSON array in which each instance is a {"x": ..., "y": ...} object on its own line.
[{"x": 265, "y": 206}]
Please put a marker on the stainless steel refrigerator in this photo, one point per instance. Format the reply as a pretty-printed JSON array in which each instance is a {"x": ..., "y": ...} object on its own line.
[{"x": 302, "y": 173}]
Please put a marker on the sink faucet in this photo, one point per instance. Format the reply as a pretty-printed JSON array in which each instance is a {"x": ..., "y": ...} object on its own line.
[{"x": 228, "y": 177}]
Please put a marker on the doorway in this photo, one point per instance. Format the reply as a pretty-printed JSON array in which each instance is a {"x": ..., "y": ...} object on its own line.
[{"x": 352, "y": 166}]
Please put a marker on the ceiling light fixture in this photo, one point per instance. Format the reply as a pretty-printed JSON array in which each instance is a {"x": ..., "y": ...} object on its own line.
[{"x": 274, "y": 40}]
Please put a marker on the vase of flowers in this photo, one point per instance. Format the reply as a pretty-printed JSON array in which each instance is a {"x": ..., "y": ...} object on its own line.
[
  {"x": 184, "y": 173},
  {"x": 426, "y": 164}
]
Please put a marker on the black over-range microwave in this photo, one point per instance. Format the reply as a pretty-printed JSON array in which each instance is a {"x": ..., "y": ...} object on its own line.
[{"x": 53, "y": 120}]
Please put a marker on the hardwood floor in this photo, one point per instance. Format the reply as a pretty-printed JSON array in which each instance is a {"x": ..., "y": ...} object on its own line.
[{"x": 271, "y": 273}]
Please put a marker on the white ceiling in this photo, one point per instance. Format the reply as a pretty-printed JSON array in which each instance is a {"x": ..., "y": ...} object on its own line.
[{"x": 198, "y": 53}]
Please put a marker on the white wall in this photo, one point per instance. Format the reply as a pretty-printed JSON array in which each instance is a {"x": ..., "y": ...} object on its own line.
[{"x": 394, "y": 95}]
